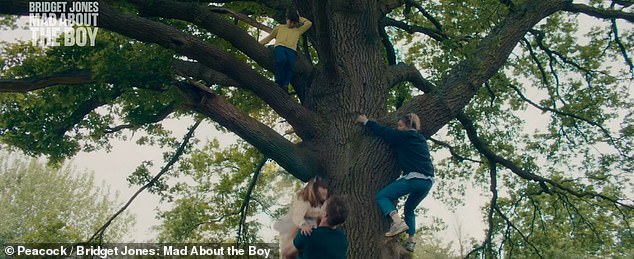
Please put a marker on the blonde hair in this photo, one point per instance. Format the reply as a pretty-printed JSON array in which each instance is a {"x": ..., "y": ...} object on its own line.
[
  {"x": 411, "y": 121},
  {"x": 310, "y": 192}
]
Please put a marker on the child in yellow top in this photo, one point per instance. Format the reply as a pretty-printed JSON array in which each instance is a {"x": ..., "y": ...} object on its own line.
[{"x": 286, "y": 37}]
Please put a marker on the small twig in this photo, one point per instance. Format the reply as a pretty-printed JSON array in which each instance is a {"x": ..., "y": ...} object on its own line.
[
  {"x": 605, "y": 131},
  {"x": 524, "y": 237},
  {"x": 623, "y": 49},
  {"x": 213, "y": 221},
  {"x": 453, "y": 152},
  {"x": 535, "y": 59},
  {"x": 484, "y": 149},
  {"x": 433, "y": 33}
]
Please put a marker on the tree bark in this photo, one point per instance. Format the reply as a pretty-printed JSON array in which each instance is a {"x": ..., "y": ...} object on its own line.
[
  {"x": 352, "y": 79},
  {"x": 24, "y": 85}
]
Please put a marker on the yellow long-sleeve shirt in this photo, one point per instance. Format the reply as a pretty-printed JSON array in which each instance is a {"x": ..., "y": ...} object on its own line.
[{"x": 288, "y": 37}]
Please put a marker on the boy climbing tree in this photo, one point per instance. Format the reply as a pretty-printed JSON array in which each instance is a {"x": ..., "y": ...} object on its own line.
[{"x": 413, "y": 157}]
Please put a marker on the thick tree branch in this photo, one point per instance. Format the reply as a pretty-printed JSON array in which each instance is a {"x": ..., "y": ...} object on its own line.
[
  {"x": 70, "y": 78},
  {"x": 277, "y": 4},
  {"x": 402, "y": 72},
  {"x": 120, "y": 128},
  {"x": 467, "y": 77},
  {"x": 303, "y": 121},
  {"x": 213, "y": 22},
  {"x": 299, "y": 162},
  {"x": 209, "y": 19},
  {"x": 597, "y": 12},
  {"x": 81, "y": 77},
  {"x": 75, "y": 77},
  {"x": 389, "y": 48},
  {"x": 199, "y": 71}
]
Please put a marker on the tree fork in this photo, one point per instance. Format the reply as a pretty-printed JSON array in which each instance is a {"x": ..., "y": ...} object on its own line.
[{"x": 298, "y": 161}]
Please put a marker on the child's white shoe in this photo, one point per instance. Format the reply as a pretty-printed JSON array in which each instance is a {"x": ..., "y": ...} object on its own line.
[{"x": 397, "y": 228}]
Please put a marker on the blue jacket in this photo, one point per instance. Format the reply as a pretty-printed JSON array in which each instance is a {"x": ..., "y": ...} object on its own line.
[{"x": 411, "y": 148}]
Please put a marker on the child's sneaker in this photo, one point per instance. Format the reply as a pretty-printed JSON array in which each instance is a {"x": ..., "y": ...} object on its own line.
[
  {"x": 396, "y": 228},
  {"x": 410, "y": 246}
]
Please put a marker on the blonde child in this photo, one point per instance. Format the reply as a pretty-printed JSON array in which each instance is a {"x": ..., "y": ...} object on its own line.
[{"x": 413, "y": 156}]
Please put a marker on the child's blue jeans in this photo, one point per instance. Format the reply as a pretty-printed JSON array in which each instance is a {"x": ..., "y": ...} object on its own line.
[
  {"x": 284, "y": 63},
  {"x": 416, "y": 188}
]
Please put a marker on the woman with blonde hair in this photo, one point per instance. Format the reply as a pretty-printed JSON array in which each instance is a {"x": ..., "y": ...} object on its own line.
[{"x": 303, "y": 215}]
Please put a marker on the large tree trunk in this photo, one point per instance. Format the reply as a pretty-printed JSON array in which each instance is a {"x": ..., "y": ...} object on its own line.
[{"x": 352, "y": 79}]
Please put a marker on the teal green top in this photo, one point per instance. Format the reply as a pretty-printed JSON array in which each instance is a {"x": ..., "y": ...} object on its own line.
[{"x": 323, "y": 242}]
